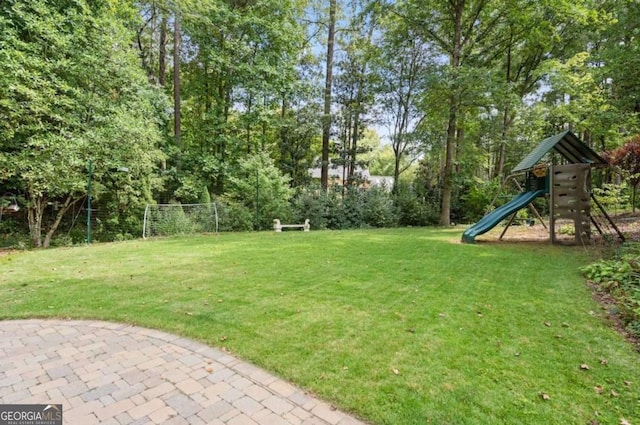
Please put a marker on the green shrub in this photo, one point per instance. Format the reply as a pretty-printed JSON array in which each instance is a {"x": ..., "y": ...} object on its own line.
[
  {"x": 411, "y": 211},
  {"x": 620, "y": 277},
  {"x": 12, "y": 235},
  {"x": 257, "y": 184},
  {"x": 476, "y": 197},
  {"x": 567, "y": 229},
  {"x": 613, "y": 197},
  {"x": 234, "y": 216},
  {"x": 357, "y": 208},
  {"x": 315, "y": 204},
  {"x": 379, "y": 208},
  {"x": 353, "y": 206}
]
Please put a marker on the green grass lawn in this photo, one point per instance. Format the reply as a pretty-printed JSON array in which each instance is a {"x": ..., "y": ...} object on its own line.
[{"x": 402, "y": 326}]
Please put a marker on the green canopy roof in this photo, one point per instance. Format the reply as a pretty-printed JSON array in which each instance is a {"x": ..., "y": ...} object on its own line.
[{"x": 566, "y": 144}]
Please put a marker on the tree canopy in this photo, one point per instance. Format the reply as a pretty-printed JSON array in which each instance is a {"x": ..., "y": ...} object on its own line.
[
  {"x": 457, "y": 91},
  {"x": 72, "y": 92}
]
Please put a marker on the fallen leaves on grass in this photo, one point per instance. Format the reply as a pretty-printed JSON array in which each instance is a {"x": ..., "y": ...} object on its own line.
[
  {"x": 599, "y": 389},
  {"x": 584, "y": 366},
  {"x": 545, "y": 396},
  {"x": 395, "y": 371}
]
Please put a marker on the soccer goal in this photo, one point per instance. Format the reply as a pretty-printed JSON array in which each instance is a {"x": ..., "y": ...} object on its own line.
[{"x": 179, "y": 219}]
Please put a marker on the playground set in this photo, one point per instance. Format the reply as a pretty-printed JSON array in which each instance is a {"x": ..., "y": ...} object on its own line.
[{"x": 567, "y": 187}]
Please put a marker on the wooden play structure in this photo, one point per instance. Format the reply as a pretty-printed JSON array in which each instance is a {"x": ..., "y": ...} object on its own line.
[{"x": 567, "y": 187}]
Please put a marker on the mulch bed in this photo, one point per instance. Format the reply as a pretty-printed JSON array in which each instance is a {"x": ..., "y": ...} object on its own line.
[{"x": 628, "y": 224}]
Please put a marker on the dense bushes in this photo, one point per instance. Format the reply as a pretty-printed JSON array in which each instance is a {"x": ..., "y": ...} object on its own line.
[
  {"x": 620, "y": 278},
  {"x": 475, "y": 197},
  {"x": 353, "y": 208},
  {"x": 256, "y": 194},
  {"x": 414, "y": 209},
  {"x": 336, "y": 209},
  {"x": 258, "y": 185}
]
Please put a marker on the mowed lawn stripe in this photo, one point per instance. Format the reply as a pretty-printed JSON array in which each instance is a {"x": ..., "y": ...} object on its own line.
[{"x": 399, "y": 326}]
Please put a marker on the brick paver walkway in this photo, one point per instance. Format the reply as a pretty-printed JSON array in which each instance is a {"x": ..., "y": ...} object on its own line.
[{"x": 107, "y": 373}]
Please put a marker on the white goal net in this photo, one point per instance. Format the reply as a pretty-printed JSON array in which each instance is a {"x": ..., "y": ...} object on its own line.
[{"x": 179, "y": 219}]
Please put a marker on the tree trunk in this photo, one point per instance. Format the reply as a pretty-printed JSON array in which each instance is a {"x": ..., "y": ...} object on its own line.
[
  {"x": 59, "y": 216},
  {"x": 447, "y": 175},
  {"x": 249, "y": 110},
  {"x": 502, "y": 149},
  {"x": 454, "y": 62},
  {"x": 360, "y": 89},
  {"x": 162, "y": 54},
  {"x": 326, "y": 118},
  {"x": 34, "y": 217},
  {"x": 176, "y": 81},
  {"x": 396, "y": 174}
]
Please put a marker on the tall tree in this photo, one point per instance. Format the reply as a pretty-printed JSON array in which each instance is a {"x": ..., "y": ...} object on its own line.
[
  {"x": 354, "y": 90},
  {"x": 328, "y": 82},
  {"x": 529, "y": 31},
  {"x": 238, "y": 64},
  {"x": 532, "y": 37},
  {"x": 404, "y": 66},
  {"x": 177, "y": 102},
  {"x": 463, "y": 30},
  {"x": 72, "y": 94},
  {"x": 615, "y": 58}
]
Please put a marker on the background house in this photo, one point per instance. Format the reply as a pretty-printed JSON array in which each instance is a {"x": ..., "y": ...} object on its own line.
[{"x": 338, "y": 174}]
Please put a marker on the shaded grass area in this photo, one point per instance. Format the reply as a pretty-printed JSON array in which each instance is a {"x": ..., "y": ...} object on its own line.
[{"x": 401, "y": 326}]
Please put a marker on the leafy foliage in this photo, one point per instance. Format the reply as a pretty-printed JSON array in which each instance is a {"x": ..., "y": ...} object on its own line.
[
  {"x": 627, "y": 157},
  {"x": 239, "y": 71},
  {"x": 235, "y": 216},
  {"x": 476, "y": 198},
  {"x": 612, "y": 196},
  {"x": 413, "y": 209},
  {"x": 463, "y": 87},
  {"x": 620, "y": 277},
  {"x": 72, "y": 92},
  {"x": 258, "y": 185},
  {"x": 352, "y": 209}
]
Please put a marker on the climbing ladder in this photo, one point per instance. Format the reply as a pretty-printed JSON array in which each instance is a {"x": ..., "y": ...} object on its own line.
[{"x": 603, "y": 222}]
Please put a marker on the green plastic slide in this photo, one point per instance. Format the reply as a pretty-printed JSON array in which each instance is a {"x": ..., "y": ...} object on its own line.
[{"x": 492, "y": 219}]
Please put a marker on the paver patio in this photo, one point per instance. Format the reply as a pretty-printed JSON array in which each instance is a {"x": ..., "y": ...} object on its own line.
[{"x": 109, "y": 373}]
